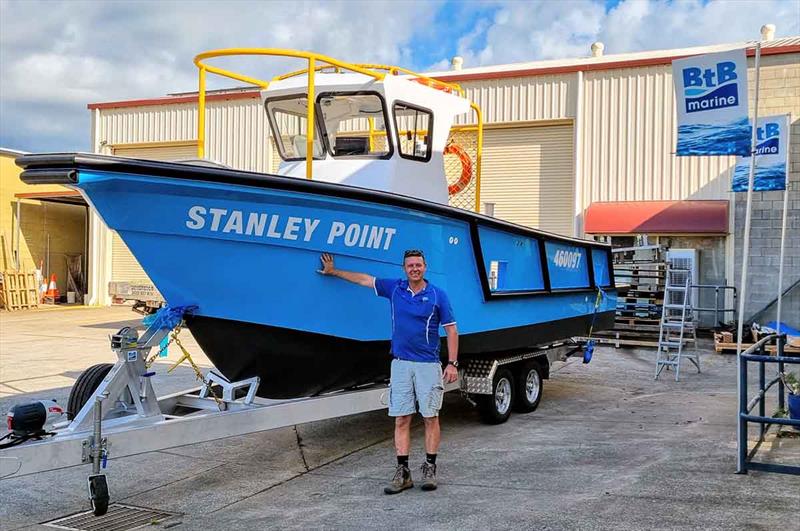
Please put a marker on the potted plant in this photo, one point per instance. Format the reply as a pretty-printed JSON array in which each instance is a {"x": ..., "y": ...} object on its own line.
[{"x": 792, "y": 384}]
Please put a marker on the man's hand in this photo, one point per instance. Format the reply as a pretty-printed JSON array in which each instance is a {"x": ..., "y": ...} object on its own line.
[
  {"x": 362, "y": 279},
  {"x": 450, "y": 374},
  {"x": 327, "y": 264}
]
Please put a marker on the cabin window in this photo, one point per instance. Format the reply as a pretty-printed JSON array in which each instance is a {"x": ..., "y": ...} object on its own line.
[
  {"x": 355, "y": 124},
  {"x": 414, "y": 126},
  {"x": 289, "y": 122}
]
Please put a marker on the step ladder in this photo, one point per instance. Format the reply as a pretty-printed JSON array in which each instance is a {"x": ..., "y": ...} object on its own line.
[{"x": 677, "y": 323}]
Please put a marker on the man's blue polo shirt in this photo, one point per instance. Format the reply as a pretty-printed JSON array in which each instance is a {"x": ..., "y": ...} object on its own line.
[{"x": 415, "y": 318}]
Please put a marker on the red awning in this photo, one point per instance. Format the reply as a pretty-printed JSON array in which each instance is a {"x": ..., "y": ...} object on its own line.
[{"x": 657, "y": 217}]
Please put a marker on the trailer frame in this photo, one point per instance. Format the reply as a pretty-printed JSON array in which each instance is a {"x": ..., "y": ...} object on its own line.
[{"x": 124, "y": 417}]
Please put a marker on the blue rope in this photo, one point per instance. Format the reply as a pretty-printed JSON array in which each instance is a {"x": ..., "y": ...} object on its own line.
[
  {"x": 589, "y": 350},
  {"x": 166, "y": 318}
]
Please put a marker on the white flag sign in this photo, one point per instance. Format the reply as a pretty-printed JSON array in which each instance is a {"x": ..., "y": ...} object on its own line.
[
  {"x": 772, "y": 157},
  {"x": 711, "y": 100}
]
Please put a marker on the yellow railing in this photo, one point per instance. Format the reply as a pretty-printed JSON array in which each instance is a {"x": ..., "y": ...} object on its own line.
[
  {"x": 312, "y": 59},
  {"x": 393, "y": 70},
  {"x": 316, "y": 63}
]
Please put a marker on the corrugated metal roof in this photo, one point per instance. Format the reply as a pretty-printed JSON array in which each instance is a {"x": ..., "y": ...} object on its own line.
[{"x": 610, "y": 60}]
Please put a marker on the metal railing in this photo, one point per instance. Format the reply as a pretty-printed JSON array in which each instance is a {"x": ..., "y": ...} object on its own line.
[
  {"x": 757, "y": 354},
  {"x": 316, "y": 63},
  {"x": 717, "y": 310}
]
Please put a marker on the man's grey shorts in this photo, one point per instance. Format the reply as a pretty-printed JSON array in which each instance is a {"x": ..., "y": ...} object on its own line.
[{"x": 415, "y": 382}]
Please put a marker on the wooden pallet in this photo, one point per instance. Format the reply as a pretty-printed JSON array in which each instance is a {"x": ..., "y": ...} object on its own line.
[
  {"x": 636, "y": 338},
  {"x": 20, "y": 290},
  {"x": 625, "y": 327},
  {"x": 634, "y": 321},
  {"x": 772, "y": 349},
  {"x": 630, "y": 291},
  {"x": 639, "y": 315}
]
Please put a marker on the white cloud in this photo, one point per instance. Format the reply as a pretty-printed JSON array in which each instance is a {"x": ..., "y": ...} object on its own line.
[
  {"x": 55, "y": 57},
  {"x": 528, "y": 31}
]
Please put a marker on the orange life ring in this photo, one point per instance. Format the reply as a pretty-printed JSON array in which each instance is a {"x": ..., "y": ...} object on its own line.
[{"x": 466, "y": 168}]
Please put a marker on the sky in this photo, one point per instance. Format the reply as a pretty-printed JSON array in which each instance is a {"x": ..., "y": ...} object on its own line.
[{"x": 58, "y": 56}]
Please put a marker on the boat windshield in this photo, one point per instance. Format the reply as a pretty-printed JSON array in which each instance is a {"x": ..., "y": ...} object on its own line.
[
  {"x": 288, "y": 117},
  {"x": 355, "y": 124}
]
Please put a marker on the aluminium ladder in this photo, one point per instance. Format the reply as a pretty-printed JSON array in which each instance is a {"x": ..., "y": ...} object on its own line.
[{"x": 676, "y": 321}]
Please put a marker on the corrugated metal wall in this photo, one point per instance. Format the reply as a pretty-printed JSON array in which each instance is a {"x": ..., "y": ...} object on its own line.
[
  {"x": 522, "y": 99},
  {"x": 237, "y": 134},
  {"x": 236, "y": 130},
  {"x": 528, "y": 174},
  {"x": 163, "y": 123},
  {"x": 157, "y": 152},
  {"x": 628, "y": 136},
  {"x": 628, "y": 142}
]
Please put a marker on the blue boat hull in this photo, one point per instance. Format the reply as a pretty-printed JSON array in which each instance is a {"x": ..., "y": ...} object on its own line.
[{"x": 244, "y": 248}]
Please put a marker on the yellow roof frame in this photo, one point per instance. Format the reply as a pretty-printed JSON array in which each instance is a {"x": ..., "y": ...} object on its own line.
[{"x": 316, "y": 63}]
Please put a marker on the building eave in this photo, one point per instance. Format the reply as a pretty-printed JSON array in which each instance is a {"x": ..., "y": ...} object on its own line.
[{"x": 541, "y": 68}]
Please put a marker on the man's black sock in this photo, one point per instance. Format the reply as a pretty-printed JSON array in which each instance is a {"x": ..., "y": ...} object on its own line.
[
  {"x": 402, "y": 460},
  {"x": 430, "y": 458}
]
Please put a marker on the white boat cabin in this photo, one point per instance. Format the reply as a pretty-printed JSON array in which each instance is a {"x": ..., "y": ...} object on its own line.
[{"x": 386, "y": 134}]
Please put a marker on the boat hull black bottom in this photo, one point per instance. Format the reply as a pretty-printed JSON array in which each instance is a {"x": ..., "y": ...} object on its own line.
[{"x": 293, "y": 363}]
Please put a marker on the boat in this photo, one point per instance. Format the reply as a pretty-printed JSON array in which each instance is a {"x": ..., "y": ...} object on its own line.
[{"x": 364, "y": 184}]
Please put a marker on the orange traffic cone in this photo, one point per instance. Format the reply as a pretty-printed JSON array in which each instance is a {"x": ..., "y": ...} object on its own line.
[{"x": 52, "y": 289}]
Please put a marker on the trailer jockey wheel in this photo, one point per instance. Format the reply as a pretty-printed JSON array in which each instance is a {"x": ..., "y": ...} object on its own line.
[
  {"x": 98, "y": 494},
  {"x": 529, "y": 387},
  {"x": 496, "y": 407}
]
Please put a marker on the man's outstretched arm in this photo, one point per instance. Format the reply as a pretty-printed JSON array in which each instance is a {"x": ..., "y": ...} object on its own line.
[{"x": 362, "y": 279}]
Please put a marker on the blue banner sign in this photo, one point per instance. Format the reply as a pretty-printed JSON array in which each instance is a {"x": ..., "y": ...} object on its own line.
[
  {"x": 711, "y": 101},
  {"x": 772, "y": 157}
]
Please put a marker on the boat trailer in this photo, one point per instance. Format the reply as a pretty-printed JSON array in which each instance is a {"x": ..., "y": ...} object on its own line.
[{"x": 121, "y": 415}]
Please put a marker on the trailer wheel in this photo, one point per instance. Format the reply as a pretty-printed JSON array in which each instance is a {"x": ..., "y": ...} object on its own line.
[
  {"x": 98, "y": 494},
  {"x": 529, "y": 388},
  {"x": 84, "y": 387},
  {"x": 496, "y": 407}
]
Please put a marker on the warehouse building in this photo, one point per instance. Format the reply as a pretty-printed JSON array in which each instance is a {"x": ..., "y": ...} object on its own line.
[
  {"x": 43, "y": 227},
  {"x": 581, "y": 147}
]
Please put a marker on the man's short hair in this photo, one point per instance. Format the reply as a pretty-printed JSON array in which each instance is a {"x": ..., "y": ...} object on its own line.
[{"x": 412, "y": 253}]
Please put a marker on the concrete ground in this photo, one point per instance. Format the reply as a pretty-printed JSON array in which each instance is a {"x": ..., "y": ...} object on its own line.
[{"x": 608, "y": 448}]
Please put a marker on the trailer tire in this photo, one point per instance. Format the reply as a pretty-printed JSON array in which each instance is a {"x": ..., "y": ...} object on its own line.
[
  {"x": 529, "y": 387},
  {"x": 496, "y": 407},
  {"x": 84, "y": 387},
  {"x": 98, "y": 494}
]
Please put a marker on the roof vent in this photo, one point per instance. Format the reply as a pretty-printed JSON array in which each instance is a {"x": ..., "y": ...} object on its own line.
[
  {"x": 767, "y": 32},
  {"x": 597, "y": 49},
  {"x": 457, "y": 62}
]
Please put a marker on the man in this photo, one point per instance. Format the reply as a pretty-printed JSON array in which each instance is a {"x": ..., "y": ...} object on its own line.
[{"x": 418, "y": 309}]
